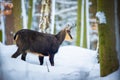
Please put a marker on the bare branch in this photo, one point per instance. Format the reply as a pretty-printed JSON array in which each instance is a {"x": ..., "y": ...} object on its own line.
[
  {"x": 66, "y": 10},
  {"x": 66, "y": 2}
]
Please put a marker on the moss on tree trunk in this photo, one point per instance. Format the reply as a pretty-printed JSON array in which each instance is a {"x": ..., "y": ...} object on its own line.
[
  {"x": 107, "y": 45},
  {"x": 78, "y": 23},
  {"x": 85, "y": 27},
  {"x": 30, "y": 13}
]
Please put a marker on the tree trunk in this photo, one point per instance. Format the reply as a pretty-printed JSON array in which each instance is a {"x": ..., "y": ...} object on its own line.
[
  {"x": 30, "y": 13},
  {"x": 45, "y": 18},
  {"x": 118, "y": 14},
  {"x": 0, "y": 35},
  {"x": 78, "y": 23},
  {"x": 17, "y": 15},
  {"x": 107, "y": 47},
  {"x": 9, "y": 29},
  {"x": 85, "y": 30}
]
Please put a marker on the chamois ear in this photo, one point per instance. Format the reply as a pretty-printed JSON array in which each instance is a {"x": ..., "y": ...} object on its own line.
[{"x": 68, "y": 27}]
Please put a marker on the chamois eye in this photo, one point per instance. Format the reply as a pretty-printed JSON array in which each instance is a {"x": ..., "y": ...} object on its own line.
[{"x": 68, "y": 31}]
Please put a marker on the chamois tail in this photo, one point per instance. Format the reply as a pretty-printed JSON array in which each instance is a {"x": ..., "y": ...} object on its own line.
[{"x": 16, "y": 36}]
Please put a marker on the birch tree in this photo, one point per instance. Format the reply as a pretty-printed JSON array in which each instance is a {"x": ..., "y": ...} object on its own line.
[
  {"x": 2, "y": 24},
  {"x": 85, "y": 27},
  {"x": 107, "y": 45},
  {"x": 45, "y": 12},
  {"x": 24, "y": 15}
]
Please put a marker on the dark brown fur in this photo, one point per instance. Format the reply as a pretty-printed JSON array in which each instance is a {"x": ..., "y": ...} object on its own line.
[{"x": 40, "y": 43}]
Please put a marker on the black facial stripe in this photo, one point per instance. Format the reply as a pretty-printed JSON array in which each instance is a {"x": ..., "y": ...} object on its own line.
[{"x": 69, "y": 35}]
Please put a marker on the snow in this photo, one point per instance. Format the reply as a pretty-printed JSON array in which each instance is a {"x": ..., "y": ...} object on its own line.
[
  {"x": 71, "y": 63},
  {"x": 101, "y": 17}
]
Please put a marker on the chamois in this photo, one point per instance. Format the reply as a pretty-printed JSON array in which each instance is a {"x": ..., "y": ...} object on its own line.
[{"x": 42, "y": 44}]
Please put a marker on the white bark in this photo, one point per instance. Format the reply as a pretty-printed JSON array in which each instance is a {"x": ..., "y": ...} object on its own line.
[
  {"x": 117, "y": 30},
  {"x": 53, "y": 16},
  {"x": 2, "y": 25},
  {"x": 87, "y": 24},
  {"x": 24, "y": 15},
  {"x": 82, "y": 24},
  {"x": 33, "y": 11}
]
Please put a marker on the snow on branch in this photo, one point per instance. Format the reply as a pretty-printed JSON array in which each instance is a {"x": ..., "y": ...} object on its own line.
[
  {"x": 101, "y": 17},
  {"x": 66, "y": 10},
  {"x": 66, "y": 2},
  {"x": 66, "y": 15}
]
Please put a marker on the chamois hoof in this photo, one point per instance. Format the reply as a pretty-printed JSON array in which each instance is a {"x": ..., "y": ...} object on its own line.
[
  {"x": 13, "y": 56},
  {"x": 41, "y": 64},
  {"x": 52, "y": 64}
]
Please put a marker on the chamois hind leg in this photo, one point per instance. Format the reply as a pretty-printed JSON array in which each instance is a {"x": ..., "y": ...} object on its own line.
[
  {"x": 41, "y": 59},
  {"x": 16, "y": 54},
  {"x": 51, "y": 59},
  {"x": 23, "y": 57}
]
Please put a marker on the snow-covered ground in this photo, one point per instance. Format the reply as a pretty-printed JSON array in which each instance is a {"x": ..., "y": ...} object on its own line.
[{"x": 71, "y": 63}]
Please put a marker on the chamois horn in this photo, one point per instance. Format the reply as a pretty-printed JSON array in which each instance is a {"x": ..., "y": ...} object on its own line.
[{"x": 68, "y": 27}]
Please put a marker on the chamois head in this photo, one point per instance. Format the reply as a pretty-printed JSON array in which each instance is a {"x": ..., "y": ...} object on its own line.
[{"x": 68, "y": 36}]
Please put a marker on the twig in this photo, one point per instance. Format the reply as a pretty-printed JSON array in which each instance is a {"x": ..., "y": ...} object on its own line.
[{"x": 47, "y": 67}]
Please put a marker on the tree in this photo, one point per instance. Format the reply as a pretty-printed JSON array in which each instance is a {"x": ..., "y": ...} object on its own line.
[
  {"x": 0, "y": 35},
  {"x": 17, "y": 15},
  {"x": 30, "y": 13},
  {"x": 85, "y": 27},
  {"x": 107, "y": 45},
  {"x": 9, "y": 29},
  {"x": 81, "y": 38},
  {"x": 78, "y": 23},
  {"x": 6, "y": 22},
  {"x": 45, "y": 16},
  {"x": 117, "y": 26}
]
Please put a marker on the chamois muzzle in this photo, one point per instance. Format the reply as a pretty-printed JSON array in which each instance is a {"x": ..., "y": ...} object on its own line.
[{"x": 68, "y": 36}]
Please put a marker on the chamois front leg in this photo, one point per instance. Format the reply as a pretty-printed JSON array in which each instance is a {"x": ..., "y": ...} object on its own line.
[
  {"x": 16, "y": 54},
  {"x": 41, "y": 59},
  {"x": 51, "y": 59}
]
